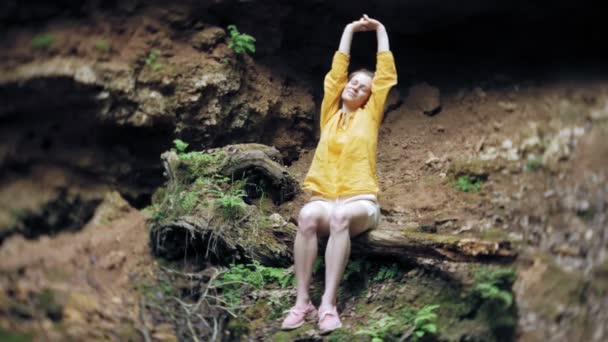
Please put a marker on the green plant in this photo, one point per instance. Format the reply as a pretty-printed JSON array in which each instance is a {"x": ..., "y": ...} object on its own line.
[
  {"x": 180, "y": 145},
  {"x": 534, "y": 163},
  {"x": 43, "y": 41},
  {"x": 386, "y": 273},
  {"x": 353, "y": 269},
  {"x": 238, "y": 278},
  {"x": 188, "y": 201},
  {"x": 103, "y": 45},
  {"x": 468, "y": 183},
  {"x": 495, "y": 286},
  {"x": 157, "y": 214},
  {"x": 200, "y": 164},
  {"x": 230, "y": 203},
  {"x": 425, "y": 322},
  {"x": 379, "y": 328},
  {"x": 493, "y": 298},
  {"x": 13, "y": 336},
  {"x": 240, "y": 42},
  {"x": 318, "y": 265},
  {"x": 151, "y": 60}
]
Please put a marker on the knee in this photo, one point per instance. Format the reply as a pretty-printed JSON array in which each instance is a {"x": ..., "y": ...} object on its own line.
[
  {"x": 339, "y": 221},
  {"x": 308, "y": 221}
]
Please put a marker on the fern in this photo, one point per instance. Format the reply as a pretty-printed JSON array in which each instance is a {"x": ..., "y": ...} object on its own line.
[{"x": 240, "y": 42}]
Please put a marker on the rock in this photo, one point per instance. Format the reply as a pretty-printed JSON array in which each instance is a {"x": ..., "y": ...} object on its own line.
[
  {"x": 425, "y": 98},
  {"x": 113, "y": 260},
  {"x": 78, "y": 307},
  {"x": 479, "y": 92},
  {"x": 507, "y": 106},
  {"x": 507, "y": 144},
  {"x": 490, "y": 154},
  {"x": 530, "y": 144},
  {"x": 480, "y": 143},
  {"x": 112, "y": 207},
  {"x": 208, "y": 38},
  {"x": 432, "y": 159},
  {"x": 561, "y": 146}
]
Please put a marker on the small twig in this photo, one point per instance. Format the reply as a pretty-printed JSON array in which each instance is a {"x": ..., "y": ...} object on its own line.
[
  {"x": 244, "y": 217},
  {"x": 183, "y": 274},
  {"x": 144, "y": 330},
  {"x": 228, "y": 283},
  {"x": 192, "y": 332},
  {"x": 204, "y": 294},
  {"x": 203, "y": 320},
  {"x": 215, "y": 329}
]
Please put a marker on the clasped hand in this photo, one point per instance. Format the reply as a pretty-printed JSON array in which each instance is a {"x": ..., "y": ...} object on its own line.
[{"x": 365, "y": 24}]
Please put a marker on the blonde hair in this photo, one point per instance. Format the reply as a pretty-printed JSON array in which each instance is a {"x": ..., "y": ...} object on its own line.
[{"x": 362, "y": 71}]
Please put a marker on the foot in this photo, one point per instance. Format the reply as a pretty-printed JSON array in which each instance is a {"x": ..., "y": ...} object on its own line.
[
  {"x": 328, "y": 319},
  {"x": 297, "y": 316}
]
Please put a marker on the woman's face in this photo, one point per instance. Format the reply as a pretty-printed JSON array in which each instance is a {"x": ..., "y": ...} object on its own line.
[{"x": 357, "y": 90}]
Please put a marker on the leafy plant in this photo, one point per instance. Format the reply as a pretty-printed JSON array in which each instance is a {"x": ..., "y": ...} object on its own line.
[
  {"x": 492, "y": 295},
  {"x": 43, "y": 41},
  {"x": 188, "y": 201},
  {"x": 230, "y": 203},
  {"x": 239, "y": 278},
  {"x": 240, "y": 42},
  {"x": 534, "y": 163},
  {"x": 156, "y": 213},
  {"x": 353, "y": 268},
  {"x": 151, "y": 60},
  {"x": 379, "y": 328},
  {"x": 425, "y": 322},
  {"x": 180, "y": 145},
  {"x": 103, "y": 45},
  {"x": 468, "y": 183},
  {"x": 386, "y": 273},
  {"x": 199, "y": 163},
  {"x": 318, "y": 265},
  {"x": 495, "y": 285}
]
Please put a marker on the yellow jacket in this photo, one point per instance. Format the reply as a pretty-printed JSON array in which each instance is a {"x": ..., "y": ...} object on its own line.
[{"x": 345, "y": 160}]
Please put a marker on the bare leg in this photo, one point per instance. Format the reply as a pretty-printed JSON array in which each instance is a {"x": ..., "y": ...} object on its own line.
[
  {"x": 313, "y": 221},
  {"x": 346, "y": 221}
]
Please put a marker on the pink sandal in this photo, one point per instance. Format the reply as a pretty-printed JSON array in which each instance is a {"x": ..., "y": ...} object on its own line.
[
  {"x": 297, "y": 316},
  {"x": 328, "y": 320}
]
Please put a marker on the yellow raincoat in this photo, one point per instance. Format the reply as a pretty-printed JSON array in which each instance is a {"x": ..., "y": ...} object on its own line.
[{"x": 345, "y": 160}]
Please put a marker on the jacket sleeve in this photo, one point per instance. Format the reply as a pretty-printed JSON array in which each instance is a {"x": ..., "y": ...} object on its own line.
[
  {"x": 335, "y": 81},
  {"x": 384, "y": 79}
]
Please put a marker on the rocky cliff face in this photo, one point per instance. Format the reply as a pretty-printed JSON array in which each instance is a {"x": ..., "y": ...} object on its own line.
[{"x": 102, "y": 98}]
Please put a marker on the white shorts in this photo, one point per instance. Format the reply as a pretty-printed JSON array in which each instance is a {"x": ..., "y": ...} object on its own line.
[{"x": 369, "y": 201}]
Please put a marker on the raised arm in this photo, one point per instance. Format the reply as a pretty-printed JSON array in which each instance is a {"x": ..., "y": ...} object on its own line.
[
  {"x": 386, "y": 74},
  {"x": 337, "y": 77}
]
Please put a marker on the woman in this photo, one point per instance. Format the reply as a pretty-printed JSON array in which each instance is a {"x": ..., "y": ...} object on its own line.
[{"x": 342, "y": 177}]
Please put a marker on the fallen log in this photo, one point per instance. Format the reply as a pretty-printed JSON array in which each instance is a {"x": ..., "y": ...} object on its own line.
[
  {"x": 249, "y": 234},
  {"x": 205, "y": 209},
  {"x": 411, "y": 244}
]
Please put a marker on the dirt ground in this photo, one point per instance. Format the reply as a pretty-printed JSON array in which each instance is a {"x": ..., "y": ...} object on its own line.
[{"x": 93, "y": 273}]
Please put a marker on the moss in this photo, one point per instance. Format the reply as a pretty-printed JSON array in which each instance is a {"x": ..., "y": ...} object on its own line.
[
  {"x": 426, "y": 238},
  {"x": 48, "y": 303},
  {"x": 237, "y": 329},
  {"x": 21, "y": 311},
  {"x": 128, "y": 332},
  {"x": 255, "y": 318},
  {"x": 342, "y": 335},
  {"x": 494, "y": 234},
  {"x": 477, "y": 167},
  {"x": 43, "y": 41},
  {"x": 12, "y": 336}
]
